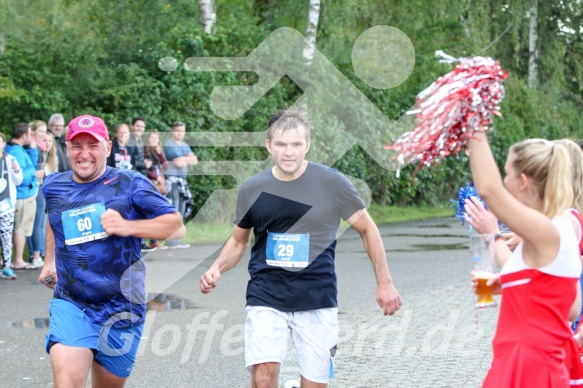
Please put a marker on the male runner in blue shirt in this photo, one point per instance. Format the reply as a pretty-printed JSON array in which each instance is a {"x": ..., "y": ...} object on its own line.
[{"x": 97, "y": 218}]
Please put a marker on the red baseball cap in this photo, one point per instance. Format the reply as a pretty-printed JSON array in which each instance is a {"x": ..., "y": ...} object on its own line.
[{"x": 93, "y": 126}]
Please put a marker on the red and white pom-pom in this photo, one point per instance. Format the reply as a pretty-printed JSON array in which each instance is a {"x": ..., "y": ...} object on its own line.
[{"x": 451, "y": 110}]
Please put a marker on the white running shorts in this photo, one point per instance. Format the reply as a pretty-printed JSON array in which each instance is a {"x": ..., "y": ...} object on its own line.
[{"x": 314, "y": 334}]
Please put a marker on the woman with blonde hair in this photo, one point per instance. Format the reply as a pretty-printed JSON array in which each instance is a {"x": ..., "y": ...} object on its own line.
[
  {"x": 50, "y": 155},
  {"x": 486, "y": 223},
  {"x": 539, "y": 280},
  {"x": 573, "y": 348},
  {"x": 154, "y": 152},
  {"x": 576, "y": 155},
  {"x": 38, "y": 131}
]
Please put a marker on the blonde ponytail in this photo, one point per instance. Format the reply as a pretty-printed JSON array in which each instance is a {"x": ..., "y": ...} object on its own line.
[
  {"x": 548, "y": 164},
  {"x": 576, "y": 156}
]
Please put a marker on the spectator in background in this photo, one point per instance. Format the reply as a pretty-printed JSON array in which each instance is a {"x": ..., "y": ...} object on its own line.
[
  {"x": 36, "y": 242},
  {"x": 10, "y": 173},
  {"x": 136, "y": 149},
  {"x": 179, "y": 156},
  {"x": 121, "y": 156},
  {"x": 136, "y": 145},
  {"x": 38, "y": 133},
  {"x": 154, "y": 152},
  {"x": 50, "y": 155},
  {"x": 26, "y": 192},
  {"x": 56, "y": 127}
]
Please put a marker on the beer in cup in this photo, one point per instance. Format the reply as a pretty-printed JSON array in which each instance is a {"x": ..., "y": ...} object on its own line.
[{"x": 484, "y": 263}]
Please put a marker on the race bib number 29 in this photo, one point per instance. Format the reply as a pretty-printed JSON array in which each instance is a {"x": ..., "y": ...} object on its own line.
[
  {"x": 83, "y": 224},
  {"x": 288, "y": 250}
]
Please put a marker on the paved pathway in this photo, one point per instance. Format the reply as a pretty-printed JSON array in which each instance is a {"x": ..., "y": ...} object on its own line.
[{"x": 437, "y": 339}]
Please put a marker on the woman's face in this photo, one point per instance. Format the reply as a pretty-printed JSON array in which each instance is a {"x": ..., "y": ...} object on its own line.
[
  {"x": 40, "y": 132},
  {"x": 153, "y": 139},
  {"x": 49, "y": 142}
]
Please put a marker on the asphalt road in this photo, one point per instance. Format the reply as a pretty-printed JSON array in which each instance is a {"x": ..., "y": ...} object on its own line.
[{"x": 437, "y": 339}]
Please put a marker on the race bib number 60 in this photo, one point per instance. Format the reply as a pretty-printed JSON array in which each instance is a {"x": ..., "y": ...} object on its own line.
[
  {"x": 288, "y": 250},
  {"x": 83, "y": 224}
]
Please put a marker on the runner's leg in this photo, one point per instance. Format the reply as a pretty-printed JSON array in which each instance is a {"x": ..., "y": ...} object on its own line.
[
  {"x": 102, "y": 378},
  {"x": 70, "y": 365}
]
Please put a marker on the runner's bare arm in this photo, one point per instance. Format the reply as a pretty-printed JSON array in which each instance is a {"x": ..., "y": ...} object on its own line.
[
  {"x": 541, "y": 237},
  {"x": 159, "y": 228},
  {"x": 49, "y": 268},
  {"x": 230, "y": 255},
  {"x": 387, "y": 296}
]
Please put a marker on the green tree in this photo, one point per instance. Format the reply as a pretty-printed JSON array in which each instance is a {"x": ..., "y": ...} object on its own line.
[{"x": 102, "y": 57}]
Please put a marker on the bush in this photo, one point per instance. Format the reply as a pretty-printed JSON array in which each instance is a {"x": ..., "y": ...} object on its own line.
[{"x": 93, "y": 57}]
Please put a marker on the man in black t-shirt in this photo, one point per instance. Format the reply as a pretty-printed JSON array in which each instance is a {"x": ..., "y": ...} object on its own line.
[
  {"x": 294, "y": 210},
  {"x": 136, "y": 146}
]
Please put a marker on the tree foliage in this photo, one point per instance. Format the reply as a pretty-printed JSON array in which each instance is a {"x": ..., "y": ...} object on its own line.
[{"x": 101, "y": 57}]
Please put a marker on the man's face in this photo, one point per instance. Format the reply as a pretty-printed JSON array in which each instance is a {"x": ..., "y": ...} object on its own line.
[
  {"x": 138, "y": 128},
  {"x": 123, "y": 135},
  {"x": 178, "y": 133},
  {"x": 57, "y": 128},
  {"x": 88, "y": 157},
  {"x": 26, "y": 138},
  {"x": 288, "y": 150}
]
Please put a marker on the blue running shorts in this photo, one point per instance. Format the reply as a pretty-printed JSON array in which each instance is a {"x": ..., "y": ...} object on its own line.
[{"x": 71, "y": 327}]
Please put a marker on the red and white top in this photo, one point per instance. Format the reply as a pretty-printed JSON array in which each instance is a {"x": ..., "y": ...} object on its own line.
[
  {"x": 532, "y": 328},
  {"x": 573, "y": 352},
  {"x": 577, "y": 216}
]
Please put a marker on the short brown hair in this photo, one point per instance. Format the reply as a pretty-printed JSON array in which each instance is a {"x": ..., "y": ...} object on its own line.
[
  {"x": 20, "y": 130},
  {"x": 288, "y": 119}
]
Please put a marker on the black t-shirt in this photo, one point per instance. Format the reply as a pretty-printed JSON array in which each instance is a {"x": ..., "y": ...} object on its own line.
[
  {"x": 136, "y": 148},
  {"x": 287, "y": 217}
]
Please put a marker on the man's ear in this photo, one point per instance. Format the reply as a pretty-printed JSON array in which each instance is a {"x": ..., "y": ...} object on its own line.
[
  {"x": 109, "y": 145},
  {"x": 268, "y": 145}
]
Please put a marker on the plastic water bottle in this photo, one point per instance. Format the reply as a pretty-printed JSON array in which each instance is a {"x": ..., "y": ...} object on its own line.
[{"x": 292, "y": 384}]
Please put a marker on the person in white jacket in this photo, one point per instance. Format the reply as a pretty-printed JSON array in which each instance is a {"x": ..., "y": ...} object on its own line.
[{"x": 10, "y": 177}]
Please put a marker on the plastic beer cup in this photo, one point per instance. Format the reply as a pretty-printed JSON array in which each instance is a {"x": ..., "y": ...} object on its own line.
[
  {"x": 484, "y": 263},
  {"x": 485, "y": 296}
]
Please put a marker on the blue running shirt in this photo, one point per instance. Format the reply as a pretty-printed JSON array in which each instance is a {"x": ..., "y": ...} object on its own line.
[{"x": 102, "y": 275}]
